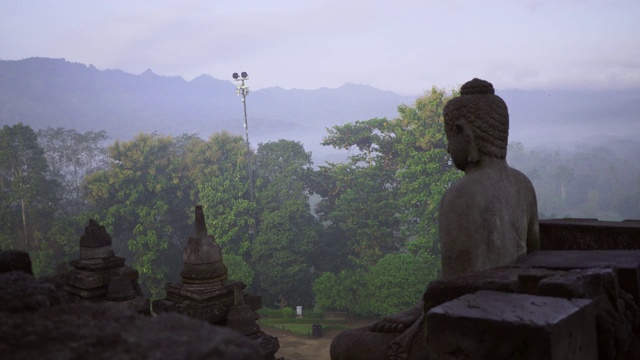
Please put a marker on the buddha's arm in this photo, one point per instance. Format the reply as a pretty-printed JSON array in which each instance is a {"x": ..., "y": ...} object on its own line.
[
  {"x": 533, "y": 230},
  {"x": 460, "y": 226}
]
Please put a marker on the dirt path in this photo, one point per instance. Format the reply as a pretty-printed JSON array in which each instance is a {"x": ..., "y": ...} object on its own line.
[{"x": 293, "y": 347}]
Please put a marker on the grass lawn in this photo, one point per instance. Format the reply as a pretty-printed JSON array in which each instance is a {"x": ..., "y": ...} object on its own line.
[{"x": 302, "y": 326}]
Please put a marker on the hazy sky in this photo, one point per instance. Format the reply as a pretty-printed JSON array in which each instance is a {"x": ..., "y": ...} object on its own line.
[{"x": 405, "y": 46}]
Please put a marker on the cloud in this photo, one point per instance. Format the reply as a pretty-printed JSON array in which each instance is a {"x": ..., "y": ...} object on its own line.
[{"x": 405, "y": 46}]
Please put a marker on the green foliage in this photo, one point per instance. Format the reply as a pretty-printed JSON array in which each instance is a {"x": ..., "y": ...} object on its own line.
[
  {"x": 359, "y": 204},
  {"x": 309, "y": 316},
  {"x": 287, "y": 232},
  {"x": 238, "y": 269},
  {"x": 386, "y": 197},
  {"x": 398, "y": 281},
  {"x": 342, "y": 292},
  {"x": 270, "y": 313},
  {"x": 279, "y": 256},
  {"x": 65, "y": 234},
  {"x": 426, "y": 171},
  {"x": 326, "y": 291},
  {"x": 218, "y": 167},
  {"x": 42, "y": 260},
  {"x": 312, "y": 314},
  {"x": 303, "y": 328},
  {"x": 393, "y": 284},
  {"x": 288, "y": 313},
  {"x": 143, "y": 200}
]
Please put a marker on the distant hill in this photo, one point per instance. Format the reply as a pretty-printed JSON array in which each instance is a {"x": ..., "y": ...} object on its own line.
[
  {"x": 566, "y": 118},
  {"x": 43, "y": 92}
]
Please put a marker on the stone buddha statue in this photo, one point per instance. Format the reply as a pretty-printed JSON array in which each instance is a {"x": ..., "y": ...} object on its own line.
[{"x": 487, "y": 219}]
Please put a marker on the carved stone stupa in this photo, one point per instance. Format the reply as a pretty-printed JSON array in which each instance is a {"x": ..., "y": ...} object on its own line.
[
  {"x": 99, "y": 275},
  {"x": 206, "y": 293}
]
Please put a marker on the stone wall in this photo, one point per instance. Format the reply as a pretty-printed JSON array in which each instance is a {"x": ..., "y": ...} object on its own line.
[{"x": 589, "y": 234}]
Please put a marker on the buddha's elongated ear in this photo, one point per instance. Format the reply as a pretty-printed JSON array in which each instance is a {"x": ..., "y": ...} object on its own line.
[{"x": 470, "y": 138}]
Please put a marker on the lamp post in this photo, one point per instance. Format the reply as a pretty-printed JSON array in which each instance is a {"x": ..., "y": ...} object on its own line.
[{"x": 243, "y": 90}]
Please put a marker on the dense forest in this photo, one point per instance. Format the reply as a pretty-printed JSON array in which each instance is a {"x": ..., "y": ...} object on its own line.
[{"x": 358, "y": 236}]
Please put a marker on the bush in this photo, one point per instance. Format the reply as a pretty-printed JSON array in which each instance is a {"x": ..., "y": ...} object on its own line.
[
  {"x": 288, "y": 313},
  {"x": 270, "y": 313},
  {"x": 395, "y": 283}
]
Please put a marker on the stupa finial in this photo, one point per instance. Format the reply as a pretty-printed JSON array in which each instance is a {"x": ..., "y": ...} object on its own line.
[{"x": 200, "y": 225}]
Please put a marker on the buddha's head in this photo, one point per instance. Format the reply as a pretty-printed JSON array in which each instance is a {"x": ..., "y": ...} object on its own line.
[{"x": 476, "y": 124}]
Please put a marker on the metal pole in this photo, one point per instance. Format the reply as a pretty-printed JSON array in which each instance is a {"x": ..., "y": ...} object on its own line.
[
  {"x": 246, "y": 131},
  {"x": 243, "y": 90}
]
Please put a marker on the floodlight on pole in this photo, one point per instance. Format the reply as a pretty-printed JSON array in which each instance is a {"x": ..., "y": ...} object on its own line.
[{"x": 243, "y": 90}]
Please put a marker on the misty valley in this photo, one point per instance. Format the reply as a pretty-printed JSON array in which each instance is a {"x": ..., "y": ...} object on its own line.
[{"x": 346, "y": 181}]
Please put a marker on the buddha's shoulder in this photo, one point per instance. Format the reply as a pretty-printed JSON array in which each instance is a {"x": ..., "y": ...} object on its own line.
[
  {"x": 520, "y": 177},
  {"x": 465, "y": 189}
]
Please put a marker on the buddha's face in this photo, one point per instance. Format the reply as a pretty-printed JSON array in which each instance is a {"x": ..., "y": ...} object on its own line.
[{"x": 458, "y": 147}]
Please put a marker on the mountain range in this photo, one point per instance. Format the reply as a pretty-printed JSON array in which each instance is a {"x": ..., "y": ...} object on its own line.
[{"x": 44, "y": 92}]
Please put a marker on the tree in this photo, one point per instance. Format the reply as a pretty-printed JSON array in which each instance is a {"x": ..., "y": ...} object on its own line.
[
  {"x": 359, "y": 203},
  {"x": 426, "y": 169},
  {"x": 393, "y": 284},
  {"x": 342, "y": 292},
  {"x": 387, "y": 196},
  {"x": 398, "y": 281},
  {"x": 287, "y": 232},
  {"x": 72, "y": 156},
  {"x": 219, "y": 172},
  {"x": 143, "y": 198},
  {"x": 28, "y": 195},
  {"x": 383, "y": 202}
]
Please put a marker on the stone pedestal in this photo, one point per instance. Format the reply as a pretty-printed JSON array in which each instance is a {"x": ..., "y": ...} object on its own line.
[
  {"x": 496, "y": 325},
  {"x": 100, "y": 276}
]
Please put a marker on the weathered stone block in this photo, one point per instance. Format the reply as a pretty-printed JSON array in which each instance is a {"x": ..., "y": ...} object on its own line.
[
  {"x": 208, "y": 272},
  {"x": 94, "y": 294},
  {"x": 179, "y": 291},
  {"x": 496, "y": 325},
  {"x": 15, "y": 260},
  {"x": 20, "y": 291},
  {"x": 626, "y": 264},
  {"x": 513, "y": 279},
  {"x": 98, "y": 264},
  {"x": 120, "y": 289},
  {"x": 598, "y": 284},
  {"x": 84, "y": 279},
  {"x": 138, "y": 304},
  {"x": 87, "y": 253},
  {"x": 101, "y": 331}
]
